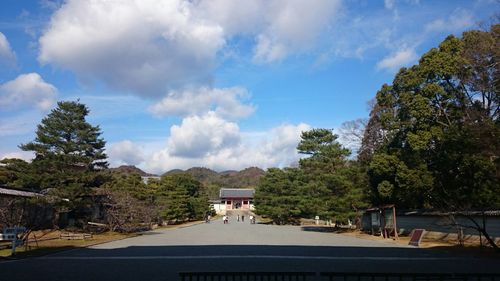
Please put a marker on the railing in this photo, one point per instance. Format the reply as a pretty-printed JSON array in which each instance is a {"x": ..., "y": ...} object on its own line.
[
  {"x": 75, "y": 236},
  {"x": 333, "y": 276},
  {"x": 351, "y": 276},
  {"x": 247, "y": 276}
]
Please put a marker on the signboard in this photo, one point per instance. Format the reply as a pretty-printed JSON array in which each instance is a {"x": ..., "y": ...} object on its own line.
[
  {"x": 416, "y": 237},
  {"x": 10, "y": 234},
  {"x": 375, "y": 219},
  {"x": 8, "y": 237},
  {"x": 389, "y": 218}
]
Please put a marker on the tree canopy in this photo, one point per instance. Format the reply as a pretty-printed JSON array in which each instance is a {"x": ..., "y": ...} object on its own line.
[
  {"x": 440, "y": 128},
  {"x": 68, "y": 150},
  {"x": 325, "y": 184}
]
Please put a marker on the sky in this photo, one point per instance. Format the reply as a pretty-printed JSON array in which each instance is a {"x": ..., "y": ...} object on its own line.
[{"x": 222, "y": 84}]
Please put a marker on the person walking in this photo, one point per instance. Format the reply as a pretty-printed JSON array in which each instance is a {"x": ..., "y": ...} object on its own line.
[
  {"x": 242, "y": 218},
  {"x": 238, "y": 217}
]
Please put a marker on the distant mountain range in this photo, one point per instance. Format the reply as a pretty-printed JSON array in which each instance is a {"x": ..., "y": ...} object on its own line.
[
  {"x": 130, "y": 170},
  {"x": 247, "y": 178}
]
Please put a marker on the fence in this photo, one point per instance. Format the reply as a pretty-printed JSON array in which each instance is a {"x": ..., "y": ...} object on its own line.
[{"x": 332, "y": 276}]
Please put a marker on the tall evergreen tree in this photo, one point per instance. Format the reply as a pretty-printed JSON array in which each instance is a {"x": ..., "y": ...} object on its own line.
[
  {"x": 68, "y": 150},
  {"x": 180, "y": 197},
  {"x": 279, "y": 197}
]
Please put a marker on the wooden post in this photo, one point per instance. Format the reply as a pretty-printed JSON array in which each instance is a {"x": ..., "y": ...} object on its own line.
[{"x": 395, "y": 225}]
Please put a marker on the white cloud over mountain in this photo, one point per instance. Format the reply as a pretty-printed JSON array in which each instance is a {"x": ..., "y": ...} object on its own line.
[
  {"x": 27, "y": 90},
  {"x": 228, "y": 149},
  {"x": 199, "y": 136},
  {"x": 272, "y": 148},
  {"x": 125, "y": 152}
]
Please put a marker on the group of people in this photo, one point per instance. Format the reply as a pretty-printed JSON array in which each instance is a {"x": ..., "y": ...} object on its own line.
[{"x": 225, "y": 219}]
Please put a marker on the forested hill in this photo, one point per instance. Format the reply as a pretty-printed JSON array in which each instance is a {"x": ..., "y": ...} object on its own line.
[
  {"x": 246, "y": 178},
  {"x": 130, "y": 170}
]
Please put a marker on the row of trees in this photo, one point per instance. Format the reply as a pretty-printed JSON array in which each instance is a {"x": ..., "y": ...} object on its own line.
[
  {"x": 70, "y": 169},
  {"x": 326, "y": 183},
  {"x": 431, "y": 141}
]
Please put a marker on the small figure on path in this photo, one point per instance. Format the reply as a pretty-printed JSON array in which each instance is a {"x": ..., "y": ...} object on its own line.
[
  {"x": 238, "y": 217},
  {"x": 242, "y": 218}
]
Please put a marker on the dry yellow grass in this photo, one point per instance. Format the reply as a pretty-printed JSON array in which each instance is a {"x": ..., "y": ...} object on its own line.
[{"x": 49, "y": 242}]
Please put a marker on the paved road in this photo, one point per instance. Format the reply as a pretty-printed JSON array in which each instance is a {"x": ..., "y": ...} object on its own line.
[{"x": 237, "y": 247}]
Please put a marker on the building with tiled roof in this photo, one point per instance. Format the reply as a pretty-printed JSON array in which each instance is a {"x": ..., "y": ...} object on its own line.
[{"x": 234, "y": 199}]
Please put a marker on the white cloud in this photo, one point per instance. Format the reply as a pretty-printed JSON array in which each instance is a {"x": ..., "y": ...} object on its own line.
[
  {"x": 273, "y": 148},
  {"x": 200, "y": 136},
  {"x": 389, "y": 4},
  {"x": 235, "y": 16},
  {"x": 142, "y": 46},
  {"x": 398, "y": 59},
  {"x": 150, "y": 47},
  {"x": 459, "y": 20},
  {"x": 226, "y": 102},
  {"x": 7, "y": 55},
  {"x": 285, "y": 34},
  {"x": 27, "y": 90},
  {"x": 125, "y": 152}
]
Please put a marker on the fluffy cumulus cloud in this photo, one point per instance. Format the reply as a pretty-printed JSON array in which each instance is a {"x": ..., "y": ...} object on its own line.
[
  {"x": 125, "y": 152},
  {"x": 232, "y": 149},
  {"x": 398, "y": 59},
  {"x": 199, "y": 136},
  {"x": 226, "y": 102},
  {"x": 27, "y": 90},
  {"x": 7, "y": 55},
  {"x": 150, "y": 47},
  {"x": 285, "y": 34},
  {"x": 145, "y": 47}
]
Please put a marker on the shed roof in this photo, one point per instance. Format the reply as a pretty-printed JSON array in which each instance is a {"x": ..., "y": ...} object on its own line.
[
  {"x": 19, "y": 193},
  {"x": 236, "y": 192}
]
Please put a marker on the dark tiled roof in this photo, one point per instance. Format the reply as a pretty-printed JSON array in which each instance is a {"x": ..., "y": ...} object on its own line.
[
  {"x": 20, "y": 193},
  {"x": 236, "y": 193}
]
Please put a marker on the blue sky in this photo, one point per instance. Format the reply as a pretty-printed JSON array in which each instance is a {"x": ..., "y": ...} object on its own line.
[{"x": 223, "y": 84}]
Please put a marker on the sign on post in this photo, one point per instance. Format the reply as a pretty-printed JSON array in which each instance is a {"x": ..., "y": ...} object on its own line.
[
  {"x": 416, "y": 237},
  {"x": 10, "y": 234}
]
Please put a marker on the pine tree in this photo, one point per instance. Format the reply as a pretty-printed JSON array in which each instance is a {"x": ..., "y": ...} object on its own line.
[{"x": 68, "y": 150}]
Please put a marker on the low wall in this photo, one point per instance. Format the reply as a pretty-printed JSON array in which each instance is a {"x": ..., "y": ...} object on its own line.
[{"x": 442, "y": 224}]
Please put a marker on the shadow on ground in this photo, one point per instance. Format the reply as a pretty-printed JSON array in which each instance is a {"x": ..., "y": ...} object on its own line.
[{"x": 166, "y": 262}]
